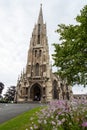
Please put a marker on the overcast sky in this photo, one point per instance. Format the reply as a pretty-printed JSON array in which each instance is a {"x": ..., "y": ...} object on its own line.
[{"x": 17, "y": 20}]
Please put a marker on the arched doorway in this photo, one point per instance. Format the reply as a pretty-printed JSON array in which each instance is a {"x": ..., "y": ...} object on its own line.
[{"x": 35, "y": 92}]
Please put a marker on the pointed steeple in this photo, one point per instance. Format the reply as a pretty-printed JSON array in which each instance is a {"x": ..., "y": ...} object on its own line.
[{"x": 40, "y": 18}]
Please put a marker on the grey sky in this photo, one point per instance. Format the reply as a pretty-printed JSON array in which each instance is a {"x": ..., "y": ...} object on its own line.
[{"x": 17, "y": 19}]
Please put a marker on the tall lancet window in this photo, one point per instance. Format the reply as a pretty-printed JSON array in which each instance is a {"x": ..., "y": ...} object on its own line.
[
  {"x": 37, "y": 69},
  {"x": 38, "y": 33},
  {"x": 35, "y": 53},
  {"x": 55, "y": 91},
  {"x": 39, "y": 52}
]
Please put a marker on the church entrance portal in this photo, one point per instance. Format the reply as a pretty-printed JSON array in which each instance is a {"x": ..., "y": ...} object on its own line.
[{"x": 35, "y": 92}]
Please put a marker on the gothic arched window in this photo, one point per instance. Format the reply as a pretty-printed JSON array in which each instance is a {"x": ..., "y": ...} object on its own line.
[
  {"x": 39, "y": 52},
  {"x": 37, "y": 69},
  {"x": 35, "y": 53},
  {"x": 62, "y": 86},
  {"x": 55, "y": 91},
  {"x": 67, "y": 95}
]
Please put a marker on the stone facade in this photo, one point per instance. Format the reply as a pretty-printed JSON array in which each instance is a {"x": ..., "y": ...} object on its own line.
[{"x": 37, "y": 82}]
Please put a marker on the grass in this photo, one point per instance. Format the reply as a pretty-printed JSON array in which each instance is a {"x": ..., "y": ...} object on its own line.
[{"x": 21, "y": 122}]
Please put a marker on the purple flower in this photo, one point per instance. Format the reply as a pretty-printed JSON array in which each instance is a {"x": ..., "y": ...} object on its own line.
[
  {"x": 53, "y": 123},
  {"x": 84, "y": 124}
]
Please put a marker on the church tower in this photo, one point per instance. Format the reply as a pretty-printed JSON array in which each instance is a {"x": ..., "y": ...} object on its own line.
[
  {"x": 38, "y": 67},
  {"x": 37, "y": 83}
]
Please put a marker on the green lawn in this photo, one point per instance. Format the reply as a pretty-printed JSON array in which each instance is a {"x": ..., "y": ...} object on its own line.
[{"x": 20, "y": 122}]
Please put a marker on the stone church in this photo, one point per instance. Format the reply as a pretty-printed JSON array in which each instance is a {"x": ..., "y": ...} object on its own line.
[{"x": 37, "y": 82}]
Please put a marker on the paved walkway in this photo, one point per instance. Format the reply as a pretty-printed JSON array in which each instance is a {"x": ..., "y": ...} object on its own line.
[{"x": 8, "y": 111}]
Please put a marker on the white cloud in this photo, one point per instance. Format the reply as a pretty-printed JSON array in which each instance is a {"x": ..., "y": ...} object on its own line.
[{"x": 17, "y": 19}]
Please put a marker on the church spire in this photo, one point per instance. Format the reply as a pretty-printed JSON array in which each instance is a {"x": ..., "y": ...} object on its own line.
[{"x": 40, "y": 18}]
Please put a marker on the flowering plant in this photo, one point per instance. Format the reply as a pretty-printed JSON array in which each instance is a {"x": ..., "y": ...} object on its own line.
[{"x": 62, "y": 115}]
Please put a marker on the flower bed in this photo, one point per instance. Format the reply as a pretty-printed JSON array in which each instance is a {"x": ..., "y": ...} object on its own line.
[{"x": 62, "y": 115}]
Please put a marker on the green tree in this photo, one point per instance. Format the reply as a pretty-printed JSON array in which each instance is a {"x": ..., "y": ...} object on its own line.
[
  {"x": 9, "y": 95},
  {"x": 1, "y": 87},
  {"x": 70, "y": 57}
]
